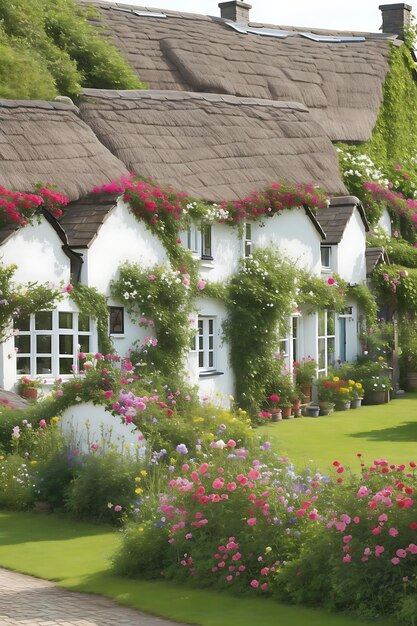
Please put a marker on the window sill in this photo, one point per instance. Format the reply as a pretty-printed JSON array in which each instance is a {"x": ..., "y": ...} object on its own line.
[
  {"x": 117, "y": 335},
  {"x": 209, "y": 374},
  {"x": 207, "y": 262}
]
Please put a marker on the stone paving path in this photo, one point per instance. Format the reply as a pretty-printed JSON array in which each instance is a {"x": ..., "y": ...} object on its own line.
[{"x": 27, "y": 601}]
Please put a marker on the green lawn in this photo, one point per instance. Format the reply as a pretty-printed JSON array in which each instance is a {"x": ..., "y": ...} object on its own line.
[
  {"x": 77, "y": 557},
  {"x": 384, "y": 431}
]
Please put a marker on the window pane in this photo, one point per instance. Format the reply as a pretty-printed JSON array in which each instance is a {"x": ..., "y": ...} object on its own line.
[
  {"x": 22, "y": 323},
  {"x": 83, "y": 322},
  {"x": 322, "y": 354},
  {"x": 116, "y": 323},
  {"x": 330, "y": 323},
  {"x": 23, "y": 365},
  {"x": 65, "y": 320},
  {"x": 44, "y": 344},
  {"x": 211, "y": 359},
  {"x": 43, "y": 365},
  {"x": 248, "y": 248},
  {"x": 200, "y": 359},
  {"x": 325, "y": 257},
  {"x": 206, "y": 241},
  {"x": 330, "y": 351},
  {"x": 84, "y": 342},
  {"x": 22, "y": 343},
  {"x": 65, "y": 366},
  {"x": 43, "y": 320},
  {"x": 211, "y": 327},
  {"x": 211, "y": 342},
  {"x": 66, "y": 344},
  {"x": 322, "y": 317},
  {"x": 248, "y": 231}
]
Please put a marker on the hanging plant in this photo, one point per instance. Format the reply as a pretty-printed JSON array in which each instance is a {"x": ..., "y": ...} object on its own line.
[{"x": 94, "y": 304}]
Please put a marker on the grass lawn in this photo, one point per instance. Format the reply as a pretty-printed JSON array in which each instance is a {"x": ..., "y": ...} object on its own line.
[
  {"x": 77, "y": 555},
  {"x": 383, "y": 431}
]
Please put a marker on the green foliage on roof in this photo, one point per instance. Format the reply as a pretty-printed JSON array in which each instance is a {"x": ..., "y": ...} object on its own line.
[
  {"x": 394, "y": 137},
  {"x": 48, "y": 47}
]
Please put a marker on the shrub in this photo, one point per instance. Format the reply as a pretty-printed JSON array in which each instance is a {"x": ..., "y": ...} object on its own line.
[
  {"x": 16, "y": 482},
  {"x": 100, "y": 481}
]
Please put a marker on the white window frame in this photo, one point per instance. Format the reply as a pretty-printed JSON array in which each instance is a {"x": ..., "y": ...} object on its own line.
[
  {"x": 194, "y": 239},
  {"x": 55, "y": 332},
  {"x": 289, "y": 346},
  {"x": 327, "y": 339},
  {"x": 206, "y": 343},
  {"x": 247, "y": 240},
  {"x": 329, "y": 250}
]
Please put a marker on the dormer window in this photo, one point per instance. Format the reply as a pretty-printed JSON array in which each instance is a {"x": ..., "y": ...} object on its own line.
[{"x": 326, "y": 257}]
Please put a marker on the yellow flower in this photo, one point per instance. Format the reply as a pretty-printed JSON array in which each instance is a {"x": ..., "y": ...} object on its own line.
[
  {"x": 139, "y": 491},
  {"x": 351, "y": 383},
  {"x": 198, "y": 420},
  {"x": 336, "y": 379},
  {"x": 138, "y": 479},
  {"x": 380, "y": 358},
  {"x": 143, "y": 473},
  {"x": 55, "y": 419},
  {"x": 33, "y": 463},
  {"x": 172, "y": 461},
  {"x": 358, "y": 386}
]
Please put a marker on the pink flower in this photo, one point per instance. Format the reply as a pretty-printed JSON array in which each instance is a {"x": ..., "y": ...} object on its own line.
[
  {"x": 251, "y": 521},
  {"x": 393, "y": 532},
  {"x": 218, "y": 483},
  {"x": 151, "y": 277},
  {"x": 108, "y": 393},
  {"x": 331, "y": 281},
  {"x": 231, "y": 443},
  {"x": 117, "y": 508},
  {"x": 254, "y": 584},
  {"x": 201, "y": 284},
  {"x": 42, "y": 424},
  {"x": 395, "y": 560},
  {"x": 68, "y": 288}
]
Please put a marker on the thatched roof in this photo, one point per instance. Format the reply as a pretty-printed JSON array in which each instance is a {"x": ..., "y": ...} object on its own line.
[
  {"x": 334, "y": 218},
  {"x": 212, "y": 146},
  {"x": 340, "y": 81},
  {"x": 48, "y": 142}
]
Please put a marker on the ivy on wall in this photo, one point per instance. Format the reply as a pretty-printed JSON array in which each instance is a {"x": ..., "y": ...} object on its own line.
[{"x": 94, "y": 304}]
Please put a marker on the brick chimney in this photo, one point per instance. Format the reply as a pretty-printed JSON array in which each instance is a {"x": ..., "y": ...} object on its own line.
[
  {"x": 236, "y": 11},
  {"x": 395, "y": 17}
]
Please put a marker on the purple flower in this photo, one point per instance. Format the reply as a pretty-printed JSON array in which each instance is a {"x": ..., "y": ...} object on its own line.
[{"x": 182, "y": 448}]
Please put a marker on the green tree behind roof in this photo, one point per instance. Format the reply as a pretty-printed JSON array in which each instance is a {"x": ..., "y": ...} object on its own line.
[{"x": 48, "y": 47}]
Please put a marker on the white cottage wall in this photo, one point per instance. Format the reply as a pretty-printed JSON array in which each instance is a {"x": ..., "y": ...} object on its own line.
[
  {"x": 219, "y": 385},
  {"x": 351, "y": 263},
  {"x": 227, "y": 249},
  {"x": 37, "y": 251},
  {"x": 293, "y": 233},
  {"x": 121, "y": 238}
]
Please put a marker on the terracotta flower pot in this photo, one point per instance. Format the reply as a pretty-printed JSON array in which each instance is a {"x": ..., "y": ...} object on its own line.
[
  {"x": 286, "y": 412},
  {"x": 29, "y": 392}
]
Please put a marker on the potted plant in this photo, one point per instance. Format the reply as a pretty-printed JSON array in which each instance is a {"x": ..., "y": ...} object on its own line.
[
  {"x": 28, "y": 387},
  {"x": 377, "y": 389},
  {"x": 286, "y": 409},
  {"x": 304, "y": 372},
  {"x": 356, "y": 394}
]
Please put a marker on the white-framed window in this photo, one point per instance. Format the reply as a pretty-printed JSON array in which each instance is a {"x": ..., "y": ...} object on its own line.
[
  {"x": 206, "y": 252},
  {"x": 190, "y": 238},
  {"x": 247, "y": 243},
  {"x": 48, "y": 342},
  {"x": 289, "y": 346},
  {"x": 326, "y": 341},
  {"x": 326, "y": 257},
  {"x": 206, "y": 348},
  {"x": 198, "y": 240}
]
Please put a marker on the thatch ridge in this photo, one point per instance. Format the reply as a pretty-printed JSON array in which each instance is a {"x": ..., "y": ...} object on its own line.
[{"x": 341, "y": 83}]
